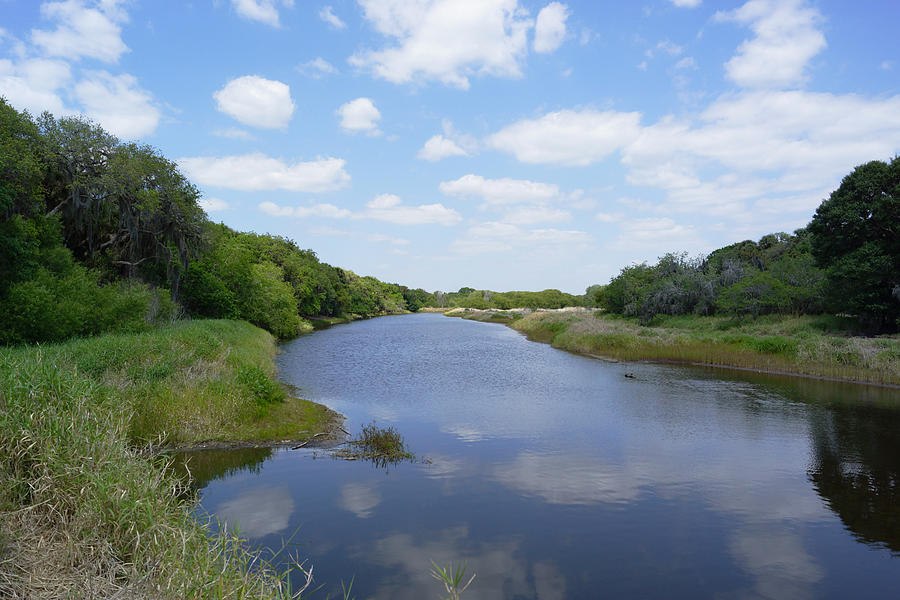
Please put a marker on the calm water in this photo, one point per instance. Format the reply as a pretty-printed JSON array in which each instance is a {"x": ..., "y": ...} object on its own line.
[{"x": 554, "y": 476}]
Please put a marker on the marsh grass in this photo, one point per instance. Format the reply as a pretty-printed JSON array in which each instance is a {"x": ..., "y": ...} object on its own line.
[
  {"x": 381, "y": 445},
  {"x": 819, "y": 346},
  {"x": 84, "y": 511}
]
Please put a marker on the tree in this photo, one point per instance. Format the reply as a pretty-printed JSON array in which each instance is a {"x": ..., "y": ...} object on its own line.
[{"x": 855, "y": 236}]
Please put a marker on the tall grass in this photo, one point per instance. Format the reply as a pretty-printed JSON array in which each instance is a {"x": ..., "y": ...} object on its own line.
[
  {"x": 817, "y": 346},
  {"x": 83, "y": 511}
]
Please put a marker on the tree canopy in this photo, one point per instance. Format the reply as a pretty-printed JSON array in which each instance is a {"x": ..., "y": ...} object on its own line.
[{"x": 856, "y": 239}]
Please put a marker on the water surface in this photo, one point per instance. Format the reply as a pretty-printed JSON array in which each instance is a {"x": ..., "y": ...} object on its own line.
[{"x": 554, "y": 476}]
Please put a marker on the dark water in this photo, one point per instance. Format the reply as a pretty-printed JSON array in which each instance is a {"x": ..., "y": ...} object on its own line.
[{"x": 554, "y": 476}]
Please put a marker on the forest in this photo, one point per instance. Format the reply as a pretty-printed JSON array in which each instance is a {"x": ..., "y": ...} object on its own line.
[
  {"x": 845, "y": 262},
  {"x": 98, "y": 235}
]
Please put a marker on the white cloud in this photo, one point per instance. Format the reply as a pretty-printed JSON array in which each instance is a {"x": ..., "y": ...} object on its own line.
[
  {"x": 568, "y": 137},
  {"x": 213, "y": 204},
  {"x": 33, "y": 85},
  {"x": 686, "y": 3},
  {"x": 500, "y": 191},
  {"x": 450, "y": 143},
  {"x": 257, "y": 172},
  {"x": 82, "y": 31},
  {"x": 388, "y": 207},
  {"x": 781, "y": 146},
  {"x": 317, "y": 210},
  {"x": 438, "y": 147},
  {"x": 264, "y": 11},
  {"x": 360, "y": 115},
  {"x": 256, "y": 101},
  {"x": 446, "y": 40},
  {"x": 786, "y": 39},
  {"x": 496, "y": 237},
  {"x": 327, "y": 15},
  {"x": 118, "y": 104},
  {"x": 317, "y": 68},
  {"x": 653, "y": 233},
  {"x": 550, "y": 28},
  {"x": 687, "y": 62}
]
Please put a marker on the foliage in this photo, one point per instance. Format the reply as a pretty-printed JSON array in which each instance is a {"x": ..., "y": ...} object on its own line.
[
  {"x": 468, "y": 297},
  {"x": 99, "y": 235},
  {"x": 855, "y": 238},
  {"x": 775, "y": 275},
  {"x": 452, "y": 579},
  {"x": 381, "y": 445}
]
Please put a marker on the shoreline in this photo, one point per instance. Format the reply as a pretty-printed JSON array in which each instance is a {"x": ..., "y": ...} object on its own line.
[{"x": 580, "y": 331}]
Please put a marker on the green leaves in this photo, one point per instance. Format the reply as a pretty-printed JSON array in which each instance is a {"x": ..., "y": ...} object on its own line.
[{"x": 856, "y": 237}]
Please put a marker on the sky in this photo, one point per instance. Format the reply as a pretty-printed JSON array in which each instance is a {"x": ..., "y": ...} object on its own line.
[{"x": 499, "y": 144}]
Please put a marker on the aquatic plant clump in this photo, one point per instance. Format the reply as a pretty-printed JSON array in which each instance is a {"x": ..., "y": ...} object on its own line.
[{"x": 381, "y": 445}]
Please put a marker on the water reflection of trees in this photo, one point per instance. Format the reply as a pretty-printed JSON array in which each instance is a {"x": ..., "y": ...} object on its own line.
[
  {"x": 204, "y": 466},
  {"x": 857, "y": 470}
]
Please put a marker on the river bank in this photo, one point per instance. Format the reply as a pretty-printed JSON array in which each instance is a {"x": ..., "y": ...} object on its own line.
[
  {"x": 811, "y": 346},
  {"x": 87, "y": 507}
]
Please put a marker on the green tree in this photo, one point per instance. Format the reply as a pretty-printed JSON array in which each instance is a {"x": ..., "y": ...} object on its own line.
[{"x": 855, "y": 237}]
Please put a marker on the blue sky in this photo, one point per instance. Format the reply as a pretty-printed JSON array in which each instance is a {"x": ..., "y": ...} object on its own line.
[{"x": 503, "y": 144}]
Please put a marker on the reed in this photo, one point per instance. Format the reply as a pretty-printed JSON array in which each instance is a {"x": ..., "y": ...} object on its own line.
[{"x": 813, "y": 346}]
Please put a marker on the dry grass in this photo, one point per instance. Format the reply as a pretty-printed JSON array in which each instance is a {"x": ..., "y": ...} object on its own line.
[{"x": 814, "y": 346}]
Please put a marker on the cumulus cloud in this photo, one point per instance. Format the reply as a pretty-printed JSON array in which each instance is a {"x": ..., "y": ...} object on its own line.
[
  {"x": 550, "y": 28},
  {"x": 519, "y": 201},
  {"x": 786, "y": 39},
  {"x": 450, "y": 143},
  {"x": 686, "y": 3},
  {"x": 389, "y": 208},
  {"x": 438, "y": 147},
  {"x": 317, "y": 68},
  {"x": 256, "y": 172},
  {"x": 787, "y": 146},
  {"x": 360, "y": 115},
  {"x": 327, "y": 15},
  {"x": 500, "y": 191},
  {"x": 82, "y": 31},
  {"x": 263, "y": 11},
  {"x": 445, "y": 40},
  {"x": 118, "y": 104},
  {"x": 34, "y": 84},
  {"x": 213, "y": 204},
  {"x": 256, "y": 101},
  {"x": 568, "y": 137},
  {"x": 317, "y": 210}
]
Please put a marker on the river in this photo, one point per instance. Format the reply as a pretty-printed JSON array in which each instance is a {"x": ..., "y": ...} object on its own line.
[{"x": 553, "y": 475}]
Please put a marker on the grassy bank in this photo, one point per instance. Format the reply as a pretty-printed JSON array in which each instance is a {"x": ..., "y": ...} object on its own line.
[
  {"x": 819, "y": 346},
  {"x": 85, "y": 513}
]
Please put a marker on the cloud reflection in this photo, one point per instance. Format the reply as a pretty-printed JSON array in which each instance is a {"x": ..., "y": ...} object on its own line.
[
  {"x": 499, "y": 567},
  {"x": 563, "y": 479},
  {"x": 258, "y": 511},
  {"x": 359, "y": 499}
]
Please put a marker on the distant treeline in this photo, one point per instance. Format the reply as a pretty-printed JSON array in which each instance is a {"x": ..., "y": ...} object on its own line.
[
  {"x": 468, "y": 297},
  {"x": 846, "y": 261},
  {"x": 99, "y": 235}
]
